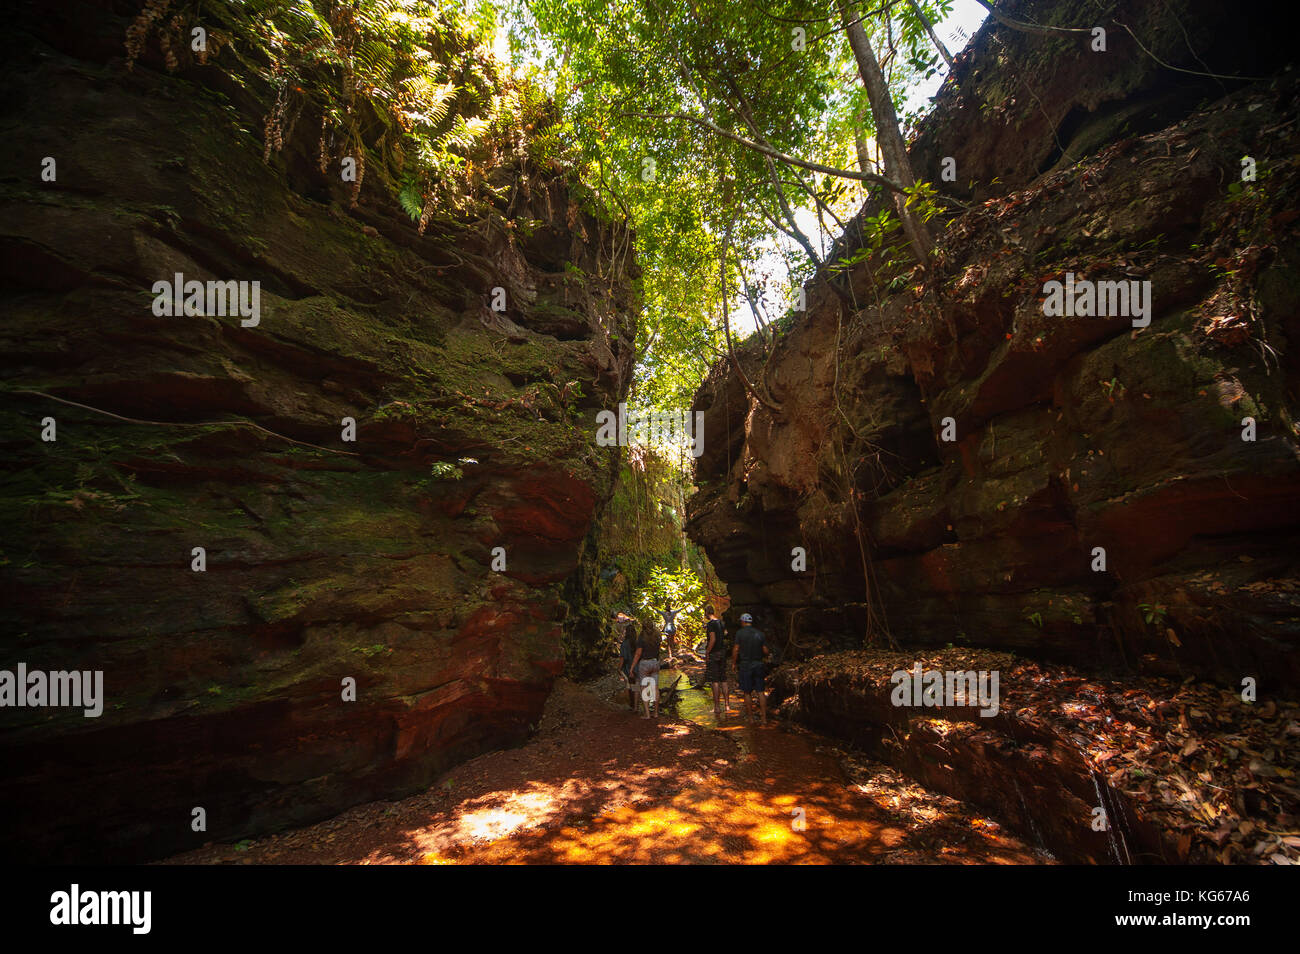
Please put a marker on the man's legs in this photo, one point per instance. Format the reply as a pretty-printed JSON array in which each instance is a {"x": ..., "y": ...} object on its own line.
[
  {"x": 650, "y": 690},
  {"x": 746, "y": 673}
]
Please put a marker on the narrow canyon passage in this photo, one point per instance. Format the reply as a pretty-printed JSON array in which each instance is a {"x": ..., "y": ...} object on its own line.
[
  {"x": 601, "y": 785},
  {"x": 380, "y": 376}
]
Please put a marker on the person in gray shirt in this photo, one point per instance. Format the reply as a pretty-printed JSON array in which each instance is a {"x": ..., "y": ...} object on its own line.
[
  {"x": 646, "y": 666},
  {"x": 670, "y": 628},
  {"x": 747, "y": 655}
]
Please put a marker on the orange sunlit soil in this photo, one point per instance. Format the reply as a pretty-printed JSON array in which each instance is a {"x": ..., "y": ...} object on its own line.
[{"x": 600, "y": 785}]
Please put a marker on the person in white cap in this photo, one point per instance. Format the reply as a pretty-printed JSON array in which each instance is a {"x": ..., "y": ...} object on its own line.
[{"x": 747, "y": 655}]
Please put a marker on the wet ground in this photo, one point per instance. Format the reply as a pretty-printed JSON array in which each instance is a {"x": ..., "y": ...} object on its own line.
[{"x": 599, "y": 784}]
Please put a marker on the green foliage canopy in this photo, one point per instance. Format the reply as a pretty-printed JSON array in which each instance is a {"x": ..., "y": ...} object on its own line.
[{"x": 776, "y": 72}]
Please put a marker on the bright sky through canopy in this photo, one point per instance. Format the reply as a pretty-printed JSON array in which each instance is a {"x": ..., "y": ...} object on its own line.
[{"x": 956, "y": 31}]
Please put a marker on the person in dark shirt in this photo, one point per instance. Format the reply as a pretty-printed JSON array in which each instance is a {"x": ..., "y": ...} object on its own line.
[
  {"x": 625, "y": 626},
  {"x": 715, "y": 663},
  {"x": 747, "y": 656},
  {"x": 646, "y": 666}
]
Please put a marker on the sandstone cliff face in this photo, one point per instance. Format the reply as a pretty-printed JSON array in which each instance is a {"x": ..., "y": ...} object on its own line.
[
  {"x": 325, "y": 559},
  {"x": 1070, "y": 433}
]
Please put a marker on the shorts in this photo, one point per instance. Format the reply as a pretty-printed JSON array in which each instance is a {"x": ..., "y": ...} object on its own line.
[
  {"x": 715, "y": 668},
  {"x": 647, "y": 667},
  {"x": 751, "y": 677}
]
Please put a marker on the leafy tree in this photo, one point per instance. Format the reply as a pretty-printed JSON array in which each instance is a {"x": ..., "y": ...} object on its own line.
[{"x": 716, "y": 125}]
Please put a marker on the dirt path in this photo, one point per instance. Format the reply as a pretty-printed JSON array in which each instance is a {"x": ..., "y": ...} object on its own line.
[{"x": 598, "y": 784}]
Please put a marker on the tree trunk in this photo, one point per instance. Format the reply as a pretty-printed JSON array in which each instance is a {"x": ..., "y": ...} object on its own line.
[
  {"x": 888, "y": 137},
  {"x": 934, "y": 37},
  {"x": 758, "y": 395},
  {"x": 860, "y": 144}
]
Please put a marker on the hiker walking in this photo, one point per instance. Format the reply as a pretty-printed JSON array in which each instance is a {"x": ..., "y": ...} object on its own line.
[
  {"x": 715, "y": 663},
  {"x": 645, "y": 663},
  {"x": 625, "y": 626},
  {"x": 670, "y": 628},
  {"x": 747, "y": 656}
]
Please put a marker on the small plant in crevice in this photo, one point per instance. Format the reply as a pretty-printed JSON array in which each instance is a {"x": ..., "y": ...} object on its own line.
[
  {"x": 1112, "y": 389},
  {"x": 1153, "y": 614},
  {"x": 444, "y": 470}
]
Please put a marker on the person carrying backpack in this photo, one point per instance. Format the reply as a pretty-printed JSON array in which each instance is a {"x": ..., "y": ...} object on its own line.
[
  {"x": 715, "y": 663},
  {"x": 747, "y": 656},
  {"x": 625, "y": 627}
]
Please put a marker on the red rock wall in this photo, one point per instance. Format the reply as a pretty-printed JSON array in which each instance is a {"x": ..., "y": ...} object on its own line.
[
  {"x": 326, "y": 560},
  {"x": 1069, "y": 433}
]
